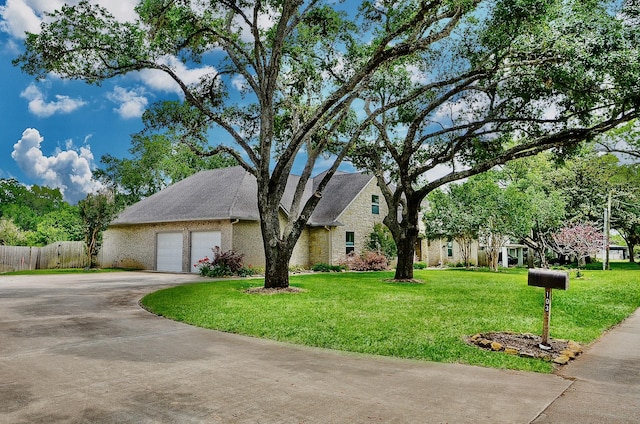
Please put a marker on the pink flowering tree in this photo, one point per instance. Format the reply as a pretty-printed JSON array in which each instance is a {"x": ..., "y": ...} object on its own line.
[{"x": 579, "y": 241}]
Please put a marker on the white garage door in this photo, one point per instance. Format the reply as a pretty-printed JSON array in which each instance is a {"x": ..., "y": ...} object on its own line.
[
  {"x": 201, "y": 244},
  {"x": 169, "y": 252}
]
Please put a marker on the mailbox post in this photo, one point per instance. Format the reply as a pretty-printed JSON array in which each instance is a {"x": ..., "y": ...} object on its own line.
[{"x": 550, "y": 280}]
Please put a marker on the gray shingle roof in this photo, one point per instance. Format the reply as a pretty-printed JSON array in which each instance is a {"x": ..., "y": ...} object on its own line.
[
  {"x": 337, "y": 196},
  {"x": 231, "y": 193}
]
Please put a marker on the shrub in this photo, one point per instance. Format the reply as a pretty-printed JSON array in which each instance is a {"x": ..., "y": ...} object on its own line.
[
  {"x": 296, "y": 269},
  {"x": 419, "y": 265},
  {"x": 593, "y": 265},
  {"x": 323, "y": 267},
  {"x": 366, "y": 261},
  {"x": 223, "y": 264},
  {"x": 248, "y": 271}
]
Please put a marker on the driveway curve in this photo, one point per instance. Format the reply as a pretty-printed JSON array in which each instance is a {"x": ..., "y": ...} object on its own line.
[{"x": 78, "y": 348}]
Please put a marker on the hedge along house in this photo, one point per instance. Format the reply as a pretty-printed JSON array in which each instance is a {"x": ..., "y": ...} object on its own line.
[{"x": 174, "y": 228}]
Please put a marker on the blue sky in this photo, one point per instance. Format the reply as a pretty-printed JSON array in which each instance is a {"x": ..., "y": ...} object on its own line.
[{"x": 54, "y": 132}]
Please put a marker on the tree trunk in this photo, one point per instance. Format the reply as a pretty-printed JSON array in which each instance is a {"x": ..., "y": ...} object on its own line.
[
  {"x": 465, "y": 250},
  {"x": 543, "y": 257},
  {"x": 278, "y": 248},
  {"x": 277, "y": 253},
  {"x": 631, "y": 248},
  {"x": 405, "y": 234},
  {"x": 406, "y": 251},
  {"x": 276, "y": 269}
]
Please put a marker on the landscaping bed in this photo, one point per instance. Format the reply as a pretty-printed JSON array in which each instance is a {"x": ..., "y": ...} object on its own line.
[{"x": 528, "y": 345}]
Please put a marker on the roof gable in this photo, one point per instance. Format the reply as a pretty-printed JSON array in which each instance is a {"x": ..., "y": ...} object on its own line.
[{"x": 339, "y": 193}]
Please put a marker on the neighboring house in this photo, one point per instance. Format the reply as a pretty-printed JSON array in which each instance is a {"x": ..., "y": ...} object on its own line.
[
  {"x": 616, "y": 253},
  {"x": 443, "y": 252},
  {"x": 174, "y": 228}
]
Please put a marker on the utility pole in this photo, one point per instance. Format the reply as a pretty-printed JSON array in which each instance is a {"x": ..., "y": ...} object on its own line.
[{"x": 607, "y": 228}]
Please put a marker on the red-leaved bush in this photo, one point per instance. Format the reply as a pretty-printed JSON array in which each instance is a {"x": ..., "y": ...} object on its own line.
[
  {"x": 223, "y": 263},
  {"x": 366, "y": 261}
]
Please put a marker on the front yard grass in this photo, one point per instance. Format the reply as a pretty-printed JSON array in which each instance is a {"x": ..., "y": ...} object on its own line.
[{"x": 361, "y": 312}]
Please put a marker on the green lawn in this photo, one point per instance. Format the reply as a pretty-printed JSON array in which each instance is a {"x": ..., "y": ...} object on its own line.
[{"x": 360, "y": 312}]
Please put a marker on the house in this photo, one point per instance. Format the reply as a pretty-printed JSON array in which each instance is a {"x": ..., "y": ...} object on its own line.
[
  {"x": 616, "y": 253},
  {"x": 443, "y": 252},
  {"x": 174, "y": 228}
]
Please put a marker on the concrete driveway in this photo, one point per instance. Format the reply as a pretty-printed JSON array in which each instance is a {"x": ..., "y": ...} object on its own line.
[{"x": 79, "y": 349}]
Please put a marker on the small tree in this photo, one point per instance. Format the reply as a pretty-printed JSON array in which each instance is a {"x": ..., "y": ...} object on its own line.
[
  {"x": 450, "y": 215},
  {"x": 96, "y": 210},
  {"x": 579, "y": 241},
  {"x": 381, "y": 241},
  {"x": 11, "y": 234}
]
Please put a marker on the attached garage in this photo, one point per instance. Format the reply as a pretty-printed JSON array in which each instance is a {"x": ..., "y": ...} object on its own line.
[
  {"x": 201, "y": 244},
  {"x": 169, "y": 252}
]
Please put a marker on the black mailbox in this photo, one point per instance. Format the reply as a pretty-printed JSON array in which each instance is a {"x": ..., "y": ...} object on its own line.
[{"x": 549, "y": 279}]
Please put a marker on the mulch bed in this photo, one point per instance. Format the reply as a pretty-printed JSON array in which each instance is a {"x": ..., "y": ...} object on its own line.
[
  {"x": 526, "y": 345},
  {"x": 271, "y": 291}
]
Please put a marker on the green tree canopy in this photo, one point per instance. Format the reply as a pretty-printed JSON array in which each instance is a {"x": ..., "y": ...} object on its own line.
[
  {"x": 451, "y": 214},
  {"x": 39, "y": 213},
  {"x": 11, "y": 234},
  {"x": 302, "y": 65},
  {"x": 63, "y": 224},
  {"x": 545, "y": 201},
  {"x": 517, "y": 78},
  {"x": 156, "y": 161}
]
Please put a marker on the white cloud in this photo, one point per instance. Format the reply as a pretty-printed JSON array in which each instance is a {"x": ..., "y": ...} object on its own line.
[
  {"x": 123, "y": 10},
  {"x": 132, "y": 102},
  {"x": 20, "y": 16},
  {"x": 159, "y": 80},
  {"x": 239, "y": 83},
  {"x": 40, "y": 107},
  {"x": 417, "y": 76},
  {"x": 11, "y": 48},
  {"x": 69, "y": 170}
]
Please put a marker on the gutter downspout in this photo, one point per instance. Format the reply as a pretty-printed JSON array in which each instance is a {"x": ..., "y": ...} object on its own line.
[
  {"x": 235, "y": 221},
  {"x": 330, "y": 243}
]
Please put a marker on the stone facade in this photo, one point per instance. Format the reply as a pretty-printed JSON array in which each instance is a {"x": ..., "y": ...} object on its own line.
[
  {"x": 246, "y": 239},
  {"x": 359, "y": 219},
  {"x": 443, "y": 252},
  {"x": 134, "y": 246}
]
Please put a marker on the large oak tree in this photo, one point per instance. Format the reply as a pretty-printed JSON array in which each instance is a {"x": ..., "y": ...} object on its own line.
[
  {"x": 301, "y": 65},
  {"x": 516, "y": 78}
]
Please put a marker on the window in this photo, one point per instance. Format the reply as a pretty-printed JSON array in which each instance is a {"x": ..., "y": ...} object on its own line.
[
  {"x": 450, "y": 249},
  {"x": 350, "y": 241},
  {"x": 375, "y": 204}
]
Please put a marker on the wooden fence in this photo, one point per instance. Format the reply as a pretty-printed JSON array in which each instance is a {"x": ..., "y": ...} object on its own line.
[{"x": 65, "y": 254}]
